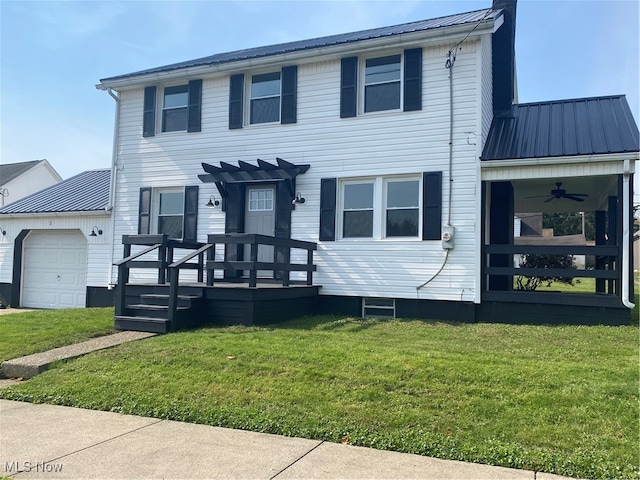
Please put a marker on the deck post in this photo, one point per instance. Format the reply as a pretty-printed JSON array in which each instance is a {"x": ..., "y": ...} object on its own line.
[
  {"x": 253, "y": 273},
  {"x": 601, "y": 222},
  {"x": 162, "y": 261},
  {"x": 211, "y": 256},
  {"x": 286, "y": 274},
  {"x": 174, "y": 283},
  {"x": 309, "y": 264}
]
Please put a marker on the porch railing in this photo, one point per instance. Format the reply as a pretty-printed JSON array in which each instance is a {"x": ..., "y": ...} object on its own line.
[
  {"x": 167, "y": 267},
  {"x": 607, "y": 270}
]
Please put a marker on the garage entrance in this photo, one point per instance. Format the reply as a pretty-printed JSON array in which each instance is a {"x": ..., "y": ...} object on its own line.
[{"x": 54, "y": 269}]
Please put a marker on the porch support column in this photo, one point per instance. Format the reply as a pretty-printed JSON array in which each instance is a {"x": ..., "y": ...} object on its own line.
[
  {"x": 601, "y": 239},
  {"x": 501, "y": 232}
]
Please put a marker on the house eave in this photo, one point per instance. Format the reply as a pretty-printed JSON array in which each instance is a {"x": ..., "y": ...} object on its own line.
[
  {"x": 534, "y": 162},
  {"x": 443, "y": 35},
  {"x": 88, "y": 213}
]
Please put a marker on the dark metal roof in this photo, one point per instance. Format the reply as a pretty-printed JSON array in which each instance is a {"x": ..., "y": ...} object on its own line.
[
  {"x": 9, "y": 171},
  {"x": 422, "y": 25},
  {"x": 86, "y": 192},
  {"x": 585, "y": 126}
]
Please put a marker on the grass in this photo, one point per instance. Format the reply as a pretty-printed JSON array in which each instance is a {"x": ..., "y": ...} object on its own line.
[
  {"x": 554, "y": 399},
  {"x": 588, "y": 285},
  {"x": 36, "y": 331}
]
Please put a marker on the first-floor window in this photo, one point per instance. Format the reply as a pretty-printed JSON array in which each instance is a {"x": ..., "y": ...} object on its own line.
[
  {"x": 381, "y": 207},
  {"x": 170, "y": 208},
  {"x": 357, "y": 220},
  {"x": 403, "y": 208}
]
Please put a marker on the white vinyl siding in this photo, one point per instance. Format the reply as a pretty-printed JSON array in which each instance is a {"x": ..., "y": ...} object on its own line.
[
  {"x": 99, "y": 248},
  {"x": 388, "y": 143}
]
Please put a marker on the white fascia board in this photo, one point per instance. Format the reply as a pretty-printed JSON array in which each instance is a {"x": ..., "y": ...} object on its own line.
[
  {"x": 90, "y": 213},
  {"x": 534, "y": 162},
  {"x": 443, "y": 35}
]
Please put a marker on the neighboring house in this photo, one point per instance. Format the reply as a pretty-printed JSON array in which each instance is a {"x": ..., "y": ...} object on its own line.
[
  {"x": 17, "y": 180},
  {"x": 409, "y": 202},
  {"x": 55, "y": 245}
]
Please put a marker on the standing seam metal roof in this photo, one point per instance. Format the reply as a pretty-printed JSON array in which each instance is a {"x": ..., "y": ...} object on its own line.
[
  {"x": 85, "y": 192},
  {"x": 586, "y": 126},
  {"x": 422, "y": 25}
]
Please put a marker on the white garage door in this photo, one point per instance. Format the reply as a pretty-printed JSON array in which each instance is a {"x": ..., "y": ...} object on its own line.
[{"x": 54, "y": 269}]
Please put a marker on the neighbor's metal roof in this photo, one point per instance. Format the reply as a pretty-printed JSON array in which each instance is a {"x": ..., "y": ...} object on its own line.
[
  {"x": 422, "y": 25},
  {"x": 87, "y": 191},
  {"x": 585, "y": 126}
]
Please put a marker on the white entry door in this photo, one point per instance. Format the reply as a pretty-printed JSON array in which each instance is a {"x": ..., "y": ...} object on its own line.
[
  {"x": 54, "y": 271},
  {"x": 260, "y": 217}
]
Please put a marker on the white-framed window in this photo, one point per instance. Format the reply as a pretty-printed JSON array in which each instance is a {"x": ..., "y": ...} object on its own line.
[
  {"x": 378, "y": 308},
  {"x": 357, "y": 209},
  {"x": 175, "y": 105},
  {"x": 382, "y": 88},
  {"x": 265, "y": 96},
  {"x": 168, "y": 205},
  {"x": 402, "y": 203},
  {"x": 380, "y": 207}
]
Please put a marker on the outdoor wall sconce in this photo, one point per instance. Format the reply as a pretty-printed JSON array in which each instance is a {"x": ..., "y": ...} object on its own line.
[
  {"x": 213, "y": 202},
  {"x": 3, "y": 231},
  {"x": 298, "y": 199},
  {"x": 95, "y": 231}
]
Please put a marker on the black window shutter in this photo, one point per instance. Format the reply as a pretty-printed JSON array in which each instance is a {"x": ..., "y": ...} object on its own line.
[
  {"x": 289, "y": 94},
  {"x": 194, "y": 117},
  {"x": 431, "y": 205},
  {"x": 190, "y": 227},
  {"x": 413, "y": 79},
  {"x": 328, "y": 187},
  {"x": 144, "y": 211},
  {"x": 236, "y": 93},
  {"x": 149, "y": 115},
  {"x": 348, "y": 87}
]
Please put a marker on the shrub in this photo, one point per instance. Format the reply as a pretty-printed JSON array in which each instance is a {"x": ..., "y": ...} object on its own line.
[{"x": 544, "y": 262}]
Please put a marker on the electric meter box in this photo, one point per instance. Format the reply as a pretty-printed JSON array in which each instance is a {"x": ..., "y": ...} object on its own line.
[{"x": 448, "y": 233}]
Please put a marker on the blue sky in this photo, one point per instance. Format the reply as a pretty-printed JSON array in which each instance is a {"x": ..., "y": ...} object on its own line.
[{"x": 53, "y": 53}]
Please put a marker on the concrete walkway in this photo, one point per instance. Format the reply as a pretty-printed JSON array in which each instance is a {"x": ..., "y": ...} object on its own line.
[
  {"x": 48, "y": 441},
  {"x": 32, "y": 365}
]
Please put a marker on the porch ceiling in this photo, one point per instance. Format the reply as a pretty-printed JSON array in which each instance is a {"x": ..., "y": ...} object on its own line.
[{"x": 532, "y": 195}]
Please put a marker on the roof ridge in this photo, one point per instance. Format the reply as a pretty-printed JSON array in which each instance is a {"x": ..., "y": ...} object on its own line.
[
  {"x": 567, "y": 100},
  {"x": 303, "y": 44}
]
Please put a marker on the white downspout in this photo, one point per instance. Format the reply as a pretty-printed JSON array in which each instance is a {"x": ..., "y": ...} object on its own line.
[
  {"x": 626, "y": 201},
  {"x": 114, "y": 178}
]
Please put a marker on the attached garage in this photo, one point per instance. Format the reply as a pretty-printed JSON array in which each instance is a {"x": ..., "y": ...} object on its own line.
[
  {"x": 55, "y": 269},
  {"x": 57, "y": 245}
]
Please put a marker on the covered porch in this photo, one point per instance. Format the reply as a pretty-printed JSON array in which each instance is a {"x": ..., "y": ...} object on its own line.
[{"x": 554, "y": 161}]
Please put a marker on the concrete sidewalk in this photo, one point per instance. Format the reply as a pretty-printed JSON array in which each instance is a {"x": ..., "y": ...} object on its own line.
[{"x": 47, "y": 441}]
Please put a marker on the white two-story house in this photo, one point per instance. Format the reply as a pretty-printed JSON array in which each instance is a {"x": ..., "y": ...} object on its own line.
[{"x": 369, "y": 146}]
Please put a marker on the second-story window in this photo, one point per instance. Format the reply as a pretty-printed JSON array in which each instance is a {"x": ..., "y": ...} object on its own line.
[
  {"x": 265, "y": 98},
  {"x": 175, "y": 108},
  {"x": 382, "y": 83}
]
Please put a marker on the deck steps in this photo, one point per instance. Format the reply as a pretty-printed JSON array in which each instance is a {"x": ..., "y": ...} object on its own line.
[{"x": 148, "y": 311}]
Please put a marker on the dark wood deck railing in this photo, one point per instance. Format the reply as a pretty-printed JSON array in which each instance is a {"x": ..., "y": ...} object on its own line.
[
  {"x": 609, "y": 271},
  {"x": 167, "y": 267}
]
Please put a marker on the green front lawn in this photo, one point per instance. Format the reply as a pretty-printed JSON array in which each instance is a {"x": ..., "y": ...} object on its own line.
[
  {"x": 33, "y": 332},
  {"x": 554, "y": 399}
]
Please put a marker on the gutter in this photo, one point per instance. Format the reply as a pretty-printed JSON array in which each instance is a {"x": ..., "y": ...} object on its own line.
[
  {"x": 76, "y": 213},
  {"x": 114, "y": 179},
  {"x": 533, "y": 161},
  {"x": 626, "y": 240}
]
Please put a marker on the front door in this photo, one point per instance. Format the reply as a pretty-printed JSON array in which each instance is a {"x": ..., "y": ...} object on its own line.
[{"x": 260, "y": 217}]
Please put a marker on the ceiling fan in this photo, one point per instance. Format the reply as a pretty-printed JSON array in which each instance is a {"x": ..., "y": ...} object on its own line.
[{"x": 558, "y": 193}]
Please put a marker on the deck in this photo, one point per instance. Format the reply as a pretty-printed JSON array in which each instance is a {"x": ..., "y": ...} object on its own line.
[{"x": 229, "y": 290}]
